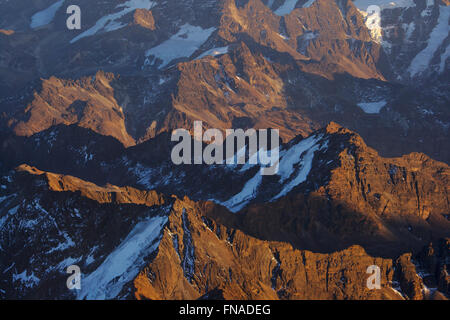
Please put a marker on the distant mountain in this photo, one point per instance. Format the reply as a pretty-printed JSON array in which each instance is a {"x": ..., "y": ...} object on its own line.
[{"x": 293, "y": 65}]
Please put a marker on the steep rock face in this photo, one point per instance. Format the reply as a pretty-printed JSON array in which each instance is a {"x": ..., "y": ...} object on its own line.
[
  {"x": 392, "y": 182},
  {"x": 414, "y": 35},
  {"x": 432, "y": 264},
  {"x": 239, "y": 90},
  {"x": 444, "y": 281},
  {"x": 88, "y": 102},
  {"x": 197, "y": 256},
  {"x": 354, "y": 193},
  {"x": 380, "y": 185},
  {"x": 324, "y": 34},
  {"x": 337, "y": 42},
  {"x": 199, "y": 249},
  {"x": 348, "y": 193},
  {"x": 331, "y": 191},
  {"x": 253, "y": 19},
  {"x": 410, "y": 282},
  {"x": 444, "y": 276},
  {"x": 108, "y": 194},
  {"x": 86, "y": 225},
  {"x": 43, "y": 232},
  {"x": 145, "y": 19},
  {"x": 17, "y": 63},
  {"x": 83, "y": 157}
]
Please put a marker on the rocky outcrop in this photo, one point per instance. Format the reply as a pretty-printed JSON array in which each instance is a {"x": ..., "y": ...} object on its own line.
[
  {"x": 444, "y": 281},
  {"x": 321, "y": 37},
  {"x": 43, "y": 232},
  {"x": 434, "y": 263},
  {"x": 410, "y": 283},
  {"x": 352, "y": 195},
  {"x": 108, "y": 194},
  {"x": 144, "y": 18},
  {"x": 88, "y": 102},
  {"x": 195, "y": 255},
  {"x": 6, "y": 32},
  {"x": 411, "y": 37},
  {"x": 295, "y": 70},
  {"x": 240, "y": 90},
  {"x": 198, "y": 256}
]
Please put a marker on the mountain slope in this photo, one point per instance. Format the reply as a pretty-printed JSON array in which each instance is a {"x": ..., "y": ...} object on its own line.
[
  {"x": 165, "y": 248},
  {"x": 293, "y": 65},
  {"x": 339, "y": 189},
  {"x": 194, "y": 254},
  {"x": 358, "y": 92}
]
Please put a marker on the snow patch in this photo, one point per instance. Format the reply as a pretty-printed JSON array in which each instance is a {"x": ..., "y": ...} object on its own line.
[
  {"x": 287, "y": 7},
  {"x": 294, "y": 167},
  {"x": 372, "y": 107},
  {"x": 143, "y": 175},
  {"x": 373, "y": 16},
  {"x": 28, "y": 281},
  {"x": 421, "y": 62},
  {"x": 296, "y": 157},
  {"x": 64, "y": 245},
  {"x": 214, "y": 52},
  {"x": 384, "y": 4},
  {"x": 11, "y": 212},
  {"x": 62, "y": 266},
  {"x": 308, "y": 4},
  {"x": 125, "y": 262},
  {"x": 45, "y": 16},
  {"x": 3, "y": 198},
  {"x": 110, "y": 22},
  {"x": 248, "y": 193},
  {"x": 183, "y": 44}
]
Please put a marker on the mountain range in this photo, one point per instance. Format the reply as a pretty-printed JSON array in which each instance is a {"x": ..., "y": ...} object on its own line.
[{"x": 359, "y": 91}]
